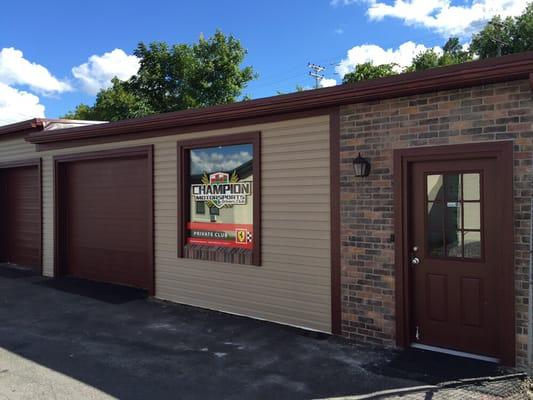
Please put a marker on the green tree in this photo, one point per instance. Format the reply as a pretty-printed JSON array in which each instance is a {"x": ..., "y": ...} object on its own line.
[
  {"x": 452, "y": 53},
  {"x": 369, "y": 71},
  {"x": 505, "y": 36},
  {"x": 425, "y": 60},
  {"x": 113, "y": 104},
  {"x": 172, "y": 78}
]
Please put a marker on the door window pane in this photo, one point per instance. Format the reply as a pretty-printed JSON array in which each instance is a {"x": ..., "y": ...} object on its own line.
[
  {"x": 436, "y": 243},
  {"x": 453, "y": 215},
  {"x": 453, "y": 187},
  {"x": 471, "y": 186},
  {"x": 435, "y": 216},
  {"x": 453, "y": 222},
  {"x": 472, "y": 215},
  {"x": 454, "y": 245},
  {"x": 434, "y": 187},
  {"x": 472, "y": 244}
]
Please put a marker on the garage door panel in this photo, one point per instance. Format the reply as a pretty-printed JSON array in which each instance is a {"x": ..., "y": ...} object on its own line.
[
  {"x": 109, "y": 265},
  {"x": 22, "y": 227},
  {"x": 108, "y": 220}
]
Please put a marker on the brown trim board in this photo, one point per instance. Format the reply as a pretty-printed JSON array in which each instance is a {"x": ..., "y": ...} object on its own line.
[
  {"x": 34, "y": 162},
  {"x": 502, "y": 151},
  {"x": 183, "y": 200},
  {"x": 59, "y": 229},
  {"x": 499, "y": 69}
]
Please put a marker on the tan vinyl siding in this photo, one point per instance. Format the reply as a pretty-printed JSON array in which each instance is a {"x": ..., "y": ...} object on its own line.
[
  {"x": 13, "y": 148},
  {"x": 292, "y": 285}
]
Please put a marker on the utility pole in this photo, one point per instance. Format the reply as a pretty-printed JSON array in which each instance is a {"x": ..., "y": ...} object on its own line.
[
  {"x": 498, "y": 42},
  {"x": 316, "y": 73}
]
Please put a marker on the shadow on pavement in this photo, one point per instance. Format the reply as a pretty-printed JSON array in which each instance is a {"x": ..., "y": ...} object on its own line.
[
  {"x": 110, "y": 338},
  {"x": 113, "y": 294},
  {"x": 15, "y": 272},
  {"x": 432, "y": 368}
]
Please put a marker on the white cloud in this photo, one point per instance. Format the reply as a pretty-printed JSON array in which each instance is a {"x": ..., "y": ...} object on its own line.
[
  {"x": 98, "y": 71},
  {"x": 214, "y": 161},
  {"x": 17, "y": 105},
  {"x": 442, "y": 16},
  {"x": 402, "y": 56},
  {"x": 326, "y": 82},
  {"x": 16, "y": 70}
]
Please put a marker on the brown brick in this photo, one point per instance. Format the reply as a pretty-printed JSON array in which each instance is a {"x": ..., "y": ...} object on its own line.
[{"x": 497, "y": 111}]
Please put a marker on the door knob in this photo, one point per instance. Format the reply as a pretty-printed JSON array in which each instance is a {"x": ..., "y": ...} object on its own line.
[{"x": 415, "y": 261}]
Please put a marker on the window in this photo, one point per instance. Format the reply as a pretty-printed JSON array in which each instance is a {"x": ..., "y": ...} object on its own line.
[
  {"x": 221, "y": 174},
  {"x": 200, "y": 207},
  {"x": 453, "y": 222}
]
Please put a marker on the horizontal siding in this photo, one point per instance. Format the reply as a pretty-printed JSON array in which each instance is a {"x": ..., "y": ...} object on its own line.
[
  {"x": 292, "y": 285},
  {"x": 16, "y": 148}
]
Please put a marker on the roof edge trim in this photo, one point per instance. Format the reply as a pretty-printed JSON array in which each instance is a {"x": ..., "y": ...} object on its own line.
[{"x": 474, "y": 73}]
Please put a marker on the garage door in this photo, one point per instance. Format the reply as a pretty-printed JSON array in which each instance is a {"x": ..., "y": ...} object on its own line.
[
  {"x": 21, "y": 216},
  {"x": 107, "y": 227}
]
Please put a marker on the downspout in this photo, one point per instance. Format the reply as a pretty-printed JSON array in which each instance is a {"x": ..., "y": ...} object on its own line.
[{"x": 530, "y": 293}]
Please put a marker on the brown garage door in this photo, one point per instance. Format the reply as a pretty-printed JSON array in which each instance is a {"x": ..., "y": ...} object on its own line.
[
  {"x": 21, "y": 213},
  {"x": 107, "y": 227}
]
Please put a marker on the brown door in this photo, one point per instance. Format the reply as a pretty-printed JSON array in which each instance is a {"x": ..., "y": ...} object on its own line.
[
  {"x": 21, "y": 232},
  {"x": 454, "y": 255},
  {"x": 107, "y": 220}
]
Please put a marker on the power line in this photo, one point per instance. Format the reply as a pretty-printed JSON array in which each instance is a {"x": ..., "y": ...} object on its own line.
[{"x": 273, "y": 79}]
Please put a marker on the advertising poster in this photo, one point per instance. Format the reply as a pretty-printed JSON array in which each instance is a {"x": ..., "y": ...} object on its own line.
[{"x": 221, "y": 190}]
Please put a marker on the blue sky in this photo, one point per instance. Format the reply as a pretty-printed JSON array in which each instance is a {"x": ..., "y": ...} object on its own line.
[{"x": 41, "y": 42}]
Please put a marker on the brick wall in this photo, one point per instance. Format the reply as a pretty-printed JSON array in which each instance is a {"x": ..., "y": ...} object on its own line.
[{"x": 484, "y": 113}]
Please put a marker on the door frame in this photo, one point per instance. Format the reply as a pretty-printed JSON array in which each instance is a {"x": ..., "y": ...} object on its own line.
[
  {"x": 60, "y": 241},
  {"x": 502, "y": 152},
  {"x": 33, "y": 162}
]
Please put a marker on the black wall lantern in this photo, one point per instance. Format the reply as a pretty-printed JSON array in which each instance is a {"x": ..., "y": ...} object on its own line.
[{"x": 361, "y": 167}]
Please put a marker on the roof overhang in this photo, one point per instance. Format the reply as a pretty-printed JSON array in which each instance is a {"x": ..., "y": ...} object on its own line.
[
  {"x": 23, "y": 127},
  {"x": 507, "y": 68},
  {"x": 43, "y": 124}
]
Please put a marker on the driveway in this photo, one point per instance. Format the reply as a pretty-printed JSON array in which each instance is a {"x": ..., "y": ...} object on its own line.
[{"x": 74, "y": 339}]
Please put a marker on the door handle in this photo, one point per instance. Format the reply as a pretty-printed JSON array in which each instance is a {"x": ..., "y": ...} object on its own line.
[{"x": 415, "y": 260}]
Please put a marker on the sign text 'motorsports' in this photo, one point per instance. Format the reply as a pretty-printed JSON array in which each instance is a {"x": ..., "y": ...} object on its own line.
[{"x": 221, "y": 192}]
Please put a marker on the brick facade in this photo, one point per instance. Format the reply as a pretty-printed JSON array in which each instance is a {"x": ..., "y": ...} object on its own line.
[{"x": 485, "y": 113}]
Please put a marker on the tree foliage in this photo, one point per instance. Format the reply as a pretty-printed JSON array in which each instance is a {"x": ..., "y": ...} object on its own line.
[
  {"x": 498, "y": 37},
  {"x": 113, "y": 104},
  {"x": 505, "y": 36},
  {"x": 172, "y": 78},
  {"x": 369, "y": 71},
  {"x": 452, "y": 53}
]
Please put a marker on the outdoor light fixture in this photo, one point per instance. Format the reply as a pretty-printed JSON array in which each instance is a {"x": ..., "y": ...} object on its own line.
[{"x": 361, "y": 167}]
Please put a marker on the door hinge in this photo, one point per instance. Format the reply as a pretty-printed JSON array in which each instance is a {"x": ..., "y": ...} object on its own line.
[{"x": 417, "y": 333}]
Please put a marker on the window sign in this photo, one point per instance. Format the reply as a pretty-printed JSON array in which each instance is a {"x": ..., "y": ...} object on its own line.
[{"x": 222, "y": 179}]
